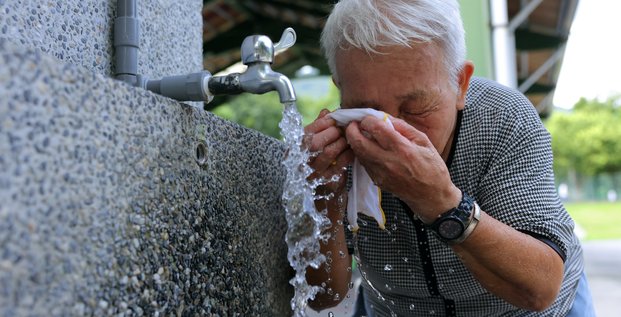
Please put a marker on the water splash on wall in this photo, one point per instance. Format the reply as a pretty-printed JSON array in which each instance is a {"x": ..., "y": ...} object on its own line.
[{"x": 305, "y": 224}]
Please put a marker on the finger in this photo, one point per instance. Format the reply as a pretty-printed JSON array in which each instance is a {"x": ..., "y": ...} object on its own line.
[
  {"x": 362, "y": 145},
  {"x": 324, "y": 138},
  {"x": 409, "y": 132},
  {"x": 381, "y": 131},
  {"x": 322, "y": 122},
  {"x": 344, "y": 159},
  {"x": 329, "y": 155},
  {"x": 337, "y": 168}
]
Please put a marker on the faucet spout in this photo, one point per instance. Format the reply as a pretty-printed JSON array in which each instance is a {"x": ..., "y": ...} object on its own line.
[{"x": 259, "y": 78}]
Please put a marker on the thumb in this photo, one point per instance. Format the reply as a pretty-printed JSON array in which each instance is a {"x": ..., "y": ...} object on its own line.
[{"x": 324, "y": 112}]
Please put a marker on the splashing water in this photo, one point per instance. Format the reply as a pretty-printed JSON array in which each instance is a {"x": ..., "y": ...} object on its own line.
[{"x": 305, "y": 224}]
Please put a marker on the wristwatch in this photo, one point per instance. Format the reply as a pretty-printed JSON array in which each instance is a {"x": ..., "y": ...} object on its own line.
[{"x": 455, "y": 225}]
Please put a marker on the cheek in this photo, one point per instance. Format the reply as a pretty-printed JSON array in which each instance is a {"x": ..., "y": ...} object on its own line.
[
  {"x": 421, "y": 124},
  {"x": 430, "y": 128}
]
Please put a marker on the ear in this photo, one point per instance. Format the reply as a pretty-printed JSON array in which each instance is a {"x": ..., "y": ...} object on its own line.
[
  {"x": 463, "y": 82},
  {"x": 336, "y": 82}
]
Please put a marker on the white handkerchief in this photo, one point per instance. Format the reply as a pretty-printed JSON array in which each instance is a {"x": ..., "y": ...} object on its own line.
[{"x": 364, "y": 196}]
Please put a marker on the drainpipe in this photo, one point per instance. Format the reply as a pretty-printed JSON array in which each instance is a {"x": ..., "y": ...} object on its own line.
[
  {"x": 126, "y": 42},
  {"x": 191, "y": 87},
  {"x": 503, "y": 40}
]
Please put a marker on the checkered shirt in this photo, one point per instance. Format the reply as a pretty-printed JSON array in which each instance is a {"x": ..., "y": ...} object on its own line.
[{"x": 502, "y": 158}]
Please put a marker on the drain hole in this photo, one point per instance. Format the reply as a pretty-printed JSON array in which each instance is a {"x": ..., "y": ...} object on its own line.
[{"x": 201, "y": 154}]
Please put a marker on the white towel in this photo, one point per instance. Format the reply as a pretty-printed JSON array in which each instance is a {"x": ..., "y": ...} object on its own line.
[{"x": 364, "y": 196}]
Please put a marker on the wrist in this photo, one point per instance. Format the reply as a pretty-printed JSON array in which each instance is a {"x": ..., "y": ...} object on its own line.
[
  {"x": 455, "y": 225},
  {"x": 449, "y": 200}
]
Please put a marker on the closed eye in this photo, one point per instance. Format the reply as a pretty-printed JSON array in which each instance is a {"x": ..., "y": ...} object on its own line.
[{"x": 419, "y": 114}]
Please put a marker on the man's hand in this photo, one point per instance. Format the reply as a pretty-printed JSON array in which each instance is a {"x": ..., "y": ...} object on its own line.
[
  {"x": 405, "y": 163},
  {"x": 331, "y": 155},
  {"x": 330, "y": 152}
]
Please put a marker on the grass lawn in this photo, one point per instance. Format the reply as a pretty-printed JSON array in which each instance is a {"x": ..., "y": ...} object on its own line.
[{"x": 600, "y": 220}]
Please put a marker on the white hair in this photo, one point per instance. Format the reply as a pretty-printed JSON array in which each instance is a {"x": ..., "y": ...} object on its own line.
[{"x": 371, "y": 24}]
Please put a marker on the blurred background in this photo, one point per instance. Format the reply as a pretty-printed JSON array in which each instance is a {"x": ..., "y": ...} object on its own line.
[{"x": 562, "y": 54}]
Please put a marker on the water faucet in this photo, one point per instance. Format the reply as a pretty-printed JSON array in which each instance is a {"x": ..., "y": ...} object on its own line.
[{"x": 257, "y": 52}]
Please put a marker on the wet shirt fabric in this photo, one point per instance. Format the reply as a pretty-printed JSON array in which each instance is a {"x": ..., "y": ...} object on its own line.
[{"x": 502, "y": 157}]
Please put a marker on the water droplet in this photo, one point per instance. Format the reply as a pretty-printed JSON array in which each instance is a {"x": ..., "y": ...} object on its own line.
[
  {"x": 330, "y": 291},
  {"x": 351, "y": 285},
  {"x": 387, "y": 267},
  {"x": 364, "y": 222},
  {"x": 412, "y": 306},
  {"x": 341, "y": 254},
  {"x": 330, "y": 314},
  {"x": 337, "y": 297},
  {"x": 393, "y": 227},
  {"x": 405, "y": 259},
  {"x": 432, "y": 312},
  {"x": 388, "y": 287},
  {"x": 339, "y": 222},
  {"x": 393, "y": 314},
  {"x": 451, "y": 270}
]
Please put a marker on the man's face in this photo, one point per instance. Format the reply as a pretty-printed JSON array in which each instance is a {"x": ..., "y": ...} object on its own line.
[{"x": 407, "y": 83}]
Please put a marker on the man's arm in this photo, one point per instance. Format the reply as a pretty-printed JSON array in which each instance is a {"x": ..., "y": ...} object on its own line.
[
  {"x": 510, "y": 264},
  {"x": 331, "y": 157},
  {"x": 334, "y": 275}
]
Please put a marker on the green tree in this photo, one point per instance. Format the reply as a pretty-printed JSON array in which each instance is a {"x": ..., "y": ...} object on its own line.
[
  {"x": 587, "y": 139},
  {"x": 586, "y": 142},
  {"x": 264, "y": 112}
]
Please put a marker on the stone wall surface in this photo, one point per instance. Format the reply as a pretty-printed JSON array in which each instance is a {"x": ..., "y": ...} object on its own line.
[
  {"x": 80, "y": 32},
  {"x": 115, "y": 201}
]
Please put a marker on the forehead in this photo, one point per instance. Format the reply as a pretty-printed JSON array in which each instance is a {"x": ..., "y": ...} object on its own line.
[
  {"x": 417, "y": 55},
  {"x": 397, "y": 73}
]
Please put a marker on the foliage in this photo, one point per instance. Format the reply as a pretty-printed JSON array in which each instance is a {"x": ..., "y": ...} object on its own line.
[
  {"x": 264, "y": 112},
  {"x": 587, "y": 140}
]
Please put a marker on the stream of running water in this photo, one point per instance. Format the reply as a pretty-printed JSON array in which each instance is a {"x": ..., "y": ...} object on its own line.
[{"x": 305, "y": 223}]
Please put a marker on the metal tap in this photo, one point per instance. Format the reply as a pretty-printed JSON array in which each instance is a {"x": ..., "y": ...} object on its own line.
[{"x": 257, "y": 52}]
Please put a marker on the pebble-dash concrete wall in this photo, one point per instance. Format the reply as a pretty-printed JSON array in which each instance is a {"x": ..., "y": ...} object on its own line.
[{"x": 118, "y": 202}]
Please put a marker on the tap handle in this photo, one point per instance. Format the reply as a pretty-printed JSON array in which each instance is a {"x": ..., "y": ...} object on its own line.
[
  {"x": 259, "y": 48},
  {"x": 287, "y": 39}
]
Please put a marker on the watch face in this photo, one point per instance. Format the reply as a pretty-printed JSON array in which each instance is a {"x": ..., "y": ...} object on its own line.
[{"x": 450, "y": 229}]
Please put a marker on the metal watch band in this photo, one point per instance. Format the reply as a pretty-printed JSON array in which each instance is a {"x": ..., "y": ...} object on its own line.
[{"x": 476, "y": 216}]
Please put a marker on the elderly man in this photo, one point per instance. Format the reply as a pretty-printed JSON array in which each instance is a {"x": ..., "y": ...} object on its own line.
[{"x": 473, "y": 224}]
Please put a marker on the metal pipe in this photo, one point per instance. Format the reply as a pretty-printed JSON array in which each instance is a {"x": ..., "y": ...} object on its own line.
[
  {"x": 259, "y": 78},
  {"x": 521, "y": 16},
  {"x": 532, "y": 79},
  {"x": 505, "y": 68}
]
